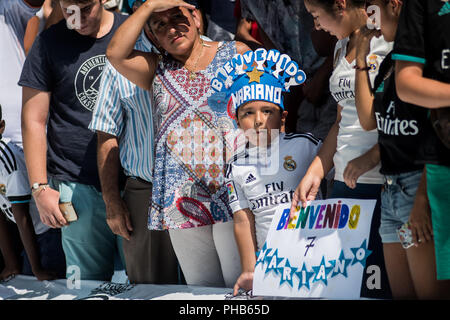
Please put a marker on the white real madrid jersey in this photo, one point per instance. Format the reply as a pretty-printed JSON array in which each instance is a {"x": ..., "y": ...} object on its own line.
[
  {"x": 263, "y": 179},
  {"x": 353, "y": 141},
  {"x": 14, "y": 186}
]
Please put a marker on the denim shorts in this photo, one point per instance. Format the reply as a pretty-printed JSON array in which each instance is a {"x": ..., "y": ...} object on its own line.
[{"x": 397, "y": 200}]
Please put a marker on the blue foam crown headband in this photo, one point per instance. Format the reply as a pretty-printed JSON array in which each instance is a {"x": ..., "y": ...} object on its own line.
[{"x": 257, "y": 75}]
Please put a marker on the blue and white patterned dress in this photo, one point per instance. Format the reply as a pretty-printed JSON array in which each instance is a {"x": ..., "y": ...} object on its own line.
[{"x": 192, "y": 144}]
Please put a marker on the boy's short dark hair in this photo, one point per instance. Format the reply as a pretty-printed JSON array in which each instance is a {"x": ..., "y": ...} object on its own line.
[{"x": 279, "y": 108}]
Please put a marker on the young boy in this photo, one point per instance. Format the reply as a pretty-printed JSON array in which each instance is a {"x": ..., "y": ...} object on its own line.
[
  {"x": 266, "y": 173},
  {"x": 44, "y": 256}
]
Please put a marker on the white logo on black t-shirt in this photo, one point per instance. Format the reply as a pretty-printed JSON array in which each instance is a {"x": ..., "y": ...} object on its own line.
[
  {"x": 87, "y": 81},
  {"x": 391, "y": 125},
  {"x": 445, "y": 63}
]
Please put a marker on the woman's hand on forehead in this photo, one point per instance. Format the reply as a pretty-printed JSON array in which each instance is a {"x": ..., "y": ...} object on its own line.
[{"x": 163, "y": 5}]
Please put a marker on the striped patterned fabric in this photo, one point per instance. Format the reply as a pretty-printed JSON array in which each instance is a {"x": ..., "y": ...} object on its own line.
[{"x": 124, "y": 110}]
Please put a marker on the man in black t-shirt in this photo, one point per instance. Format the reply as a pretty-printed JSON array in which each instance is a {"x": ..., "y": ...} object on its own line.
[
  {"x": 422, "y": 51},
  {"x": 60, "y": 79}
]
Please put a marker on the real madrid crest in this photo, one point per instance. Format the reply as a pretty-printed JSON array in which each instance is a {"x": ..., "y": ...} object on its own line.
[
  {"x": 2, "y": 189},
  {"x": 372, "y": 62},
  {"x": 289, "y": 164}
]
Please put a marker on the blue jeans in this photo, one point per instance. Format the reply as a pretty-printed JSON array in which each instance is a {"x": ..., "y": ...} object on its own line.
[{"x": 368, "y": 191}]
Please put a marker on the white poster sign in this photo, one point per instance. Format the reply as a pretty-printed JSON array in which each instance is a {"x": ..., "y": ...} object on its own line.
[{"x": 320, "y": 253}]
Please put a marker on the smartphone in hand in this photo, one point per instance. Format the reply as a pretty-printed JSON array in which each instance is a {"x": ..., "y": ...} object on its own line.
[{"x": 68, "y": 211}]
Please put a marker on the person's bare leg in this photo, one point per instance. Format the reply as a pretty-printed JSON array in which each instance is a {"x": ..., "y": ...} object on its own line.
[
  {"x": 397, "y": 268},
  {"x": 422, "y": 265},
  {"x": 12, "y": 262}
]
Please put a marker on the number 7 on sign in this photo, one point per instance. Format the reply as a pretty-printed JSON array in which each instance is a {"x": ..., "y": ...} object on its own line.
[{"x": 310, "y": 245}]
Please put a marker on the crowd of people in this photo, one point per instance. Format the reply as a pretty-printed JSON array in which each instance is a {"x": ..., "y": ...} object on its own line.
[{"x": 132, "y": 133}]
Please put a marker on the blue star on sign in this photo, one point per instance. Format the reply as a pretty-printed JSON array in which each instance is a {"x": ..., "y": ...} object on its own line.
[
  {"x": 287, "y": 273},
  {"x": 273, "y": 262},
  {"x": 361, "y": 253},
  {"x": 341, "y": 264},
  {"x": 304, "y": 276},
  {"x": 321, "y": 272}
]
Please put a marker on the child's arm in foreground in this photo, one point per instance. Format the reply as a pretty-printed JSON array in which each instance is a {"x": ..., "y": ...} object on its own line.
[
  {"x": 244, "y": 232},
  {"x": 12, "y": 262},
  {"x": 26, "y": 229}
]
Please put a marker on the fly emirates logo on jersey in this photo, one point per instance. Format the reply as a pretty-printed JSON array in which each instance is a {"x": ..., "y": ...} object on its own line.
[
  {"x": 346, "y": 85},
  {"x": 274, "y": 195},
  {"x": 445, "y": 62},
  {"x": 391, "y": 125}
]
